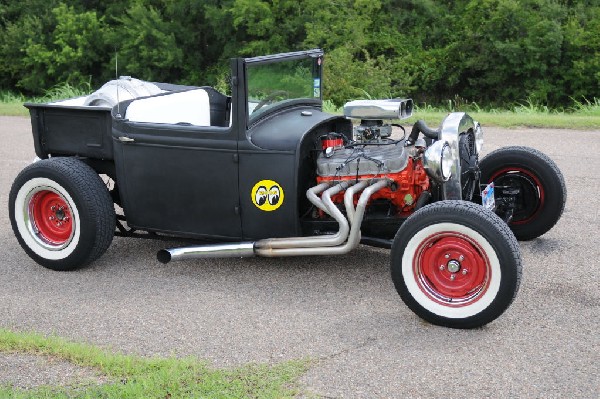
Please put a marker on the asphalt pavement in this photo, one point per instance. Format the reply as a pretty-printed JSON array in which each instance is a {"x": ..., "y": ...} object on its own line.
[{"x": 343, "y": 311}]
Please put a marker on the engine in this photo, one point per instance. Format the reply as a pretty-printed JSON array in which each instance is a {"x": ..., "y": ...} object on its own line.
[
  {"x": 373, "y": 155},
  {"x": 444, "y": 162},
  {"x": 368, "y": 160}
]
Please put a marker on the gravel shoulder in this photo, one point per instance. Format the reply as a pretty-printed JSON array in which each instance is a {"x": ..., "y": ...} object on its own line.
[
  {"x": 342, "y": 311},
  {"x": 25, "y": 371}
]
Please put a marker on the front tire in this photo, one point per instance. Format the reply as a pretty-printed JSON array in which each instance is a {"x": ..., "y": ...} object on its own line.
[
  {"x": 61, "y": 213},
  {"x": 456, "y": 264}
]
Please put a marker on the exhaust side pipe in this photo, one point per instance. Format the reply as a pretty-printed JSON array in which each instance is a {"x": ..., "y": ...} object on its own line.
[{"x": 234, "y": 250}]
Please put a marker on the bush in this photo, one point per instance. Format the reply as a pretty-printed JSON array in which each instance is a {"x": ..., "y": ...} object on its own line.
[{"x": 491, "y": 51}]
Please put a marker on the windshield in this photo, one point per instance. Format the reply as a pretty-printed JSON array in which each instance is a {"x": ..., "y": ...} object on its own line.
[{"x": 282, "y": 81}]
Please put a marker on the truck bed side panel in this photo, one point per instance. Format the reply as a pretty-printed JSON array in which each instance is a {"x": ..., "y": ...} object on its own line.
[{"x": 81, "y": 131}]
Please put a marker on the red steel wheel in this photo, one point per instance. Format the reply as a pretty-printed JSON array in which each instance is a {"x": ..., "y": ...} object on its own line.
[
  {"x": 61, "y": 213},
  {"x": 452, "y": 269},
  {"x": 51, "y": 217}
]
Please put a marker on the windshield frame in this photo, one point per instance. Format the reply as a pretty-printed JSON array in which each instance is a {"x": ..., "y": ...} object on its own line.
[{"x": 316, "y": 55}]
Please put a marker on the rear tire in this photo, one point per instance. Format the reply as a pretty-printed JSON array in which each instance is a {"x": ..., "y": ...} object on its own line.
[
  {"x": 61, "y": 213},
  {"x": 542, "y": 190},
  {"x": 456, "y": 264}
]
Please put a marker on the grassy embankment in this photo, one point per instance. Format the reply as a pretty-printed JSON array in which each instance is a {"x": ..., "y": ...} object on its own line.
[
  {"x": 137, "y": 377},
  {"x": 581, "y": 115},
  {"x": 11, "y": 104}
]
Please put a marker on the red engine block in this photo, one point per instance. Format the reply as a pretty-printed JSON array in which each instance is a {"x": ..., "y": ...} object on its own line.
[{"x": 409, "y": 184}]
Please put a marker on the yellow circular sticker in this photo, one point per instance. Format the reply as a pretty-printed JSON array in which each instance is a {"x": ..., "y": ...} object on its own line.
[{"x": 267, "y": 195}]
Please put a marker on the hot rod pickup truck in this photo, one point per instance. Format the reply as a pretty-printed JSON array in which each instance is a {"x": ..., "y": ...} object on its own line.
[{"x": 265, "y": 172}]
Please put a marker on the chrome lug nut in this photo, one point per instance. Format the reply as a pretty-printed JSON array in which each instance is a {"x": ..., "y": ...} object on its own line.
[
  {"x": 442, "y": 267},
  {"x": 465, "y": 271},
  {"x": 453, "y": 266},
  {"x": 452, "y": 277},
  {"x": 461, "y": 258},
  {"x": 447, "y": 256}
]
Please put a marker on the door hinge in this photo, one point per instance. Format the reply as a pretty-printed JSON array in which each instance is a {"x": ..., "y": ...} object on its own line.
[
  {"x": 236, "y": 209},
  {"x": 236, "y": 158}
]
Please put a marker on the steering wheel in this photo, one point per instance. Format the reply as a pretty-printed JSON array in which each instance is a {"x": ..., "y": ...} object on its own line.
[{"x": 269, "y": 99}]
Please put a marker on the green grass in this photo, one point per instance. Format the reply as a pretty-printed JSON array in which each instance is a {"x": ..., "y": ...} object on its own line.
[
  {"x": 12, "y": 104},
  {"x": 581, "y": 115},
  {"x": 13, "y": 109},
  {"x": 138, "y": 377},
  {"x": 509, "y": 119}
]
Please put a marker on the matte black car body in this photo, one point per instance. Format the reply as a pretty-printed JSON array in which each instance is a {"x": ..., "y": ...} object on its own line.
[{"x": 196, "y": 181}]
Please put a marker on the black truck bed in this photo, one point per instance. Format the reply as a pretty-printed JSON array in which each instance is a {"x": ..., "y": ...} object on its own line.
[{"x": 71, "y": 130}]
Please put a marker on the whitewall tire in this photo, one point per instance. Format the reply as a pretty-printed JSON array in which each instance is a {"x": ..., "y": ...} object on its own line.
[
  {"x": 61, "y": 213},
  {"x": 456, "y": 264}
]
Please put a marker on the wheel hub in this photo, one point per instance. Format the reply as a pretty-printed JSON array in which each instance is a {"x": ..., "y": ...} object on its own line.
[
  {"x": 530, "y": 196},
  {"x": 453, "y": 266}
]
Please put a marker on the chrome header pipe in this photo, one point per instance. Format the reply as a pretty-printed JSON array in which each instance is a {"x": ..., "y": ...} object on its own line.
[
  {"x": 296, "y": 246},
  {"x": 329, "y": 240},
  {"x": 246, "y": 249},
  {"x": 349, "y": 199},
  {"x": 353, "y": 238},
  {"x": 313, "y": 195}
]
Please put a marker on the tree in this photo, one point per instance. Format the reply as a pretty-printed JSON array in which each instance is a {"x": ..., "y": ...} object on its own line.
[{"x": 61, "y": 46}]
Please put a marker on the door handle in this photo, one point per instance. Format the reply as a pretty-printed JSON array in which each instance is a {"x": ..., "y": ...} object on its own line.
[{"x": 125, "y": 139}]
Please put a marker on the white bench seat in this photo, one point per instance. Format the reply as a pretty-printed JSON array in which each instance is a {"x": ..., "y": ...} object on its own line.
[{"x": 189, "y": 107}]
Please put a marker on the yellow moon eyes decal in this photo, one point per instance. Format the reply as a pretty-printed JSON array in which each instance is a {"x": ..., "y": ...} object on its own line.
[{"x": 267, "y": 195}]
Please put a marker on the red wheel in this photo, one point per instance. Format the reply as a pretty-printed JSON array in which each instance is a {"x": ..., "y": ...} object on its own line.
[
  {"x": 50, "y": 217},
  {"x": 452, "y": 269},
  {"x": 456, "y": 264}
]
